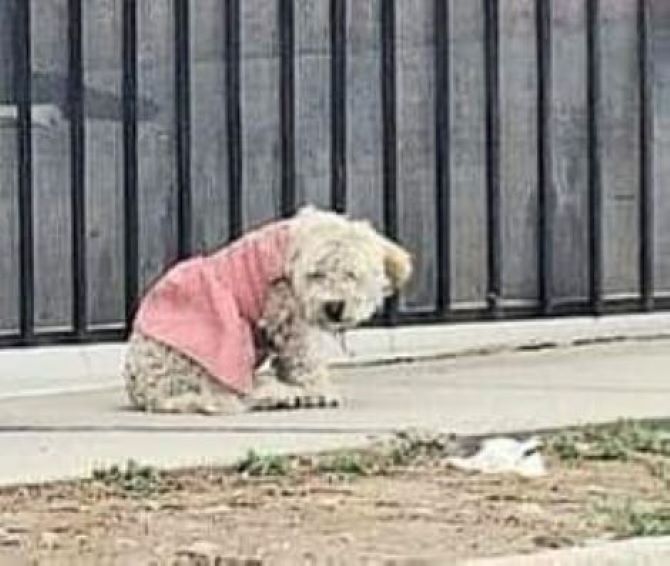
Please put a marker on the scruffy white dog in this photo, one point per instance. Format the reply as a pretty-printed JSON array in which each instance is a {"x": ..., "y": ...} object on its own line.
[{"x": 204, "y": 328}]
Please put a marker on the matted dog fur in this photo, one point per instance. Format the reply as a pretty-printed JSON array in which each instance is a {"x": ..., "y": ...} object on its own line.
[{"x": 336, "y": 273}]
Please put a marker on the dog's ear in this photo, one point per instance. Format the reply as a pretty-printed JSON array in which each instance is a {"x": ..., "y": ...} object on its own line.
[
  {"x": 397, "y": 260},
  {"x": 397, "y": 264}
]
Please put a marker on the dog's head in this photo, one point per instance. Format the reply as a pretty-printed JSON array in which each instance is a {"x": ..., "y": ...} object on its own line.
[{"x": 342, "y": 270}]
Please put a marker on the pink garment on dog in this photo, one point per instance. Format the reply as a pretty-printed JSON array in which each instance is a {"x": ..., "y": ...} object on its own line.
[{"x": 207, "y": 307}]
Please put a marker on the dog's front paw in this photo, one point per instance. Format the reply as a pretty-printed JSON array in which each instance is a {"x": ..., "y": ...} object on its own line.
[
  {"x": 321, "y": 397},
  {"x": 275, "y": 395}
]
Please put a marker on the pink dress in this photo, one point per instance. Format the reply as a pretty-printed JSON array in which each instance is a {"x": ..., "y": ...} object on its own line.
[{"x": 207, "y": 307}]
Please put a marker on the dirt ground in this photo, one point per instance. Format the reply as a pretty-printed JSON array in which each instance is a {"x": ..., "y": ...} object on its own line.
[{"x": 373, "y": 507}]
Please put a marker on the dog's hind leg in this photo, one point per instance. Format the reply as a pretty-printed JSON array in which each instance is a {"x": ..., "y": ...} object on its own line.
[{"x": 161, "y": 380}]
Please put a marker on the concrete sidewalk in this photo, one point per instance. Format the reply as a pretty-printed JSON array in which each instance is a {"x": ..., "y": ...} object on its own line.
[{"x": 59, "y": 436}]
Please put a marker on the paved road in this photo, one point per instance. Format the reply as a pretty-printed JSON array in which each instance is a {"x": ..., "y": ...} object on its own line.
[{"x": 57, "y": 436}]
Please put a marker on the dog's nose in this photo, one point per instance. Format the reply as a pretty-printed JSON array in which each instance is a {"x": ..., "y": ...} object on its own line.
[{"x": 334, "y": 310}]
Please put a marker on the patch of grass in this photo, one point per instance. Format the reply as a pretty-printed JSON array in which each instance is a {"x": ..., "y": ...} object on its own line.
[
  {"x": 263, "y": 465},
  {"x": 404, "y": 449},
  {"x": 634, "y": 520},
  {"x": 347, "y": 463},
  {"x": 618, "y": 441},
  {"x": 134, "y": 479}
]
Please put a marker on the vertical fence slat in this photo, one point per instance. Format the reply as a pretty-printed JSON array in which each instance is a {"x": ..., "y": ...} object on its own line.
[
  {"x": 595, "y": 177},
  {"x": 619, "y": 138},
  {"x": 103, "y": 164},
  {"x": 416, "y": 184},
  {"x": 364, "y": 111},
  {"x": 443, "y": 169},
  {"x": 467, "y": 150},
  {"x": 569, "y": 194},
  {"x": 388, "y": 78},
  {"x": 314, "y": 103},
  {"x": 77, "y": 179},
  {"x": 646, "y": 164},
  {"x": 492, "y": 65},
  {"x": 287, "y": 102},
  {"x": 10, "y": 304},
  {"x": 129, "y": 89},
  {"x": 389, "y": 118},
  {"x": 658, "y": 42},
  {"x": 234, "y": 123},
  {"x": 183, "y": 127},
  {"x": 544, "y": 152},
  {"x": 209, "y": 147},
  {"x": 157, "y": 169},
  {"x": 22, "y": 88},
  {"x": 338, "y": 81},
  {"x": 518, "y": 157},
  {"x": 261, "y": 110},
  {"x": 52, "y": 176}
]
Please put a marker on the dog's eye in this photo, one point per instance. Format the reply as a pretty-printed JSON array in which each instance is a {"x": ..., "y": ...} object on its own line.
[
  {"x": 316, "y": 276},
  {"x": 351, "y": 276}
]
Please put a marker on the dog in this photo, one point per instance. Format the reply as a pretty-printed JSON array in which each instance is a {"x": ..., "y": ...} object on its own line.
[{"x": 205, "y": 327}]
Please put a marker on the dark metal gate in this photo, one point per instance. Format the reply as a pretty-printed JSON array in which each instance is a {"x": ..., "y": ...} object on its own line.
[{"x": 516, "y": 147}]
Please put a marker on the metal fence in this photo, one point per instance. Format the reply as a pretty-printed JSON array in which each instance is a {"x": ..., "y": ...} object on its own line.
[{"x": 517, "y": 148}]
